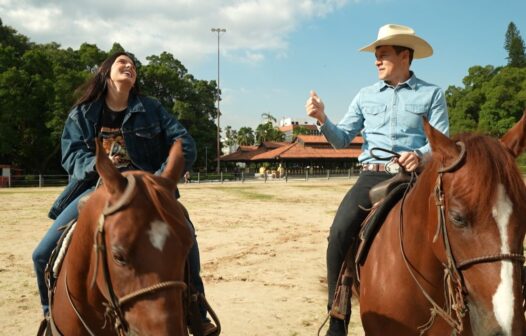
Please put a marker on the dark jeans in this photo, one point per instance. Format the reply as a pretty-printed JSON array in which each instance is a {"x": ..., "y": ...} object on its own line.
[
  {"x": 346, "y": 225},
  {"x": 42, "y": 253}
]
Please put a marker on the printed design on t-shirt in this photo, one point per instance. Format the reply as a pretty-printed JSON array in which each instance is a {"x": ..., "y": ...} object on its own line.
[{"x": 114, "y": 145}]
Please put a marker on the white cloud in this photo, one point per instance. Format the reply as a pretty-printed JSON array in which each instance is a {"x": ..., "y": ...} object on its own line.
[{"x": 255, "y": 28}]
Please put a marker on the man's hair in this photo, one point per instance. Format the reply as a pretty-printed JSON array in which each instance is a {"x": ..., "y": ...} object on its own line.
[{"x": 399, "y": 49}]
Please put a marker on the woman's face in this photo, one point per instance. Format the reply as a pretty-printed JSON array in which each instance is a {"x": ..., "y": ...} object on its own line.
[{"x": 123, "y": 71}]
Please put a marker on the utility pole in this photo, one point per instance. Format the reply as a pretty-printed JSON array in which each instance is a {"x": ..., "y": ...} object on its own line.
[{"x": 218, "y": 31}]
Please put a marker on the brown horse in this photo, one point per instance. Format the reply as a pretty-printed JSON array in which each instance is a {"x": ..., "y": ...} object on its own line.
[
  {"x": 448, "y": 258},
  {"x": 132, "y": 282}
]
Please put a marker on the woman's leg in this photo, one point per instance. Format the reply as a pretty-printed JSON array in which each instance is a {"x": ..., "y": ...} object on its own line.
[{"x": 43, "y": 250}]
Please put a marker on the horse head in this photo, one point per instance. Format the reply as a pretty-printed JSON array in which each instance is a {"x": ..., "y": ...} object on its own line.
[
  {"x": 479, "y": 227},
  {"x": 143, "y": 239}
]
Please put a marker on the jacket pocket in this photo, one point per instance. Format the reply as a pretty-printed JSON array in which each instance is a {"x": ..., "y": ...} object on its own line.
[{"x": 146, "y": 148}]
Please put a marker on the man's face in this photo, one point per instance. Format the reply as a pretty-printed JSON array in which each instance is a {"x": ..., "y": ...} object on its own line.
[{"x": 391, "y": 67}]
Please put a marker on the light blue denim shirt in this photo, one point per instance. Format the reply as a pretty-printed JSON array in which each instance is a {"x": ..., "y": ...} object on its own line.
[{"x": 391, "y": 118}]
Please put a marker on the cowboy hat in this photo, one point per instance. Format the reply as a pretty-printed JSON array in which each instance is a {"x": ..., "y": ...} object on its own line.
[{"x": 393, "y": 34}]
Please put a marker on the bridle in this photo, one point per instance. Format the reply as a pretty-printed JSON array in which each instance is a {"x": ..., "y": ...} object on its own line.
[
  {"x": 455, "y": 289},
  {"x": 114, "y": 305}
]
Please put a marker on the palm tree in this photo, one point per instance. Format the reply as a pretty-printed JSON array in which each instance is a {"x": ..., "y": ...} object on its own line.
[
  {"x": 245, "y": 136},
  {"x": 269, "y": 117}
]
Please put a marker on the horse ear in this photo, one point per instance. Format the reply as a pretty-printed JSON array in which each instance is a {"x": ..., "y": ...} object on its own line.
[
  {"x": 113, "y": 180},
  {"x": 515, "y": 138},
  {"x": 441, "y": 145},
  {"x": 175, "y": 162}
]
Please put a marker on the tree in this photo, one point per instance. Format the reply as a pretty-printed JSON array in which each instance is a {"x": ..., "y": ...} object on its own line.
[
  {"x": 492, "y": 101},
  {"x": 301, "y": 130},
  {"x": 230, "y": 136},
  {"x": 514, "y": 44},
  {"x": 245, "y": 136},
  {"x": 268, "y": 117},
  {"x": 267, "y": 132}
]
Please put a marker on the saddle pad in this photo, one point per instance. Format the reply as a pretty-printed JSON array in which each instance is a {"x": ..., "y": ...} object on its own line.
[{"x": 374, "y": 221}]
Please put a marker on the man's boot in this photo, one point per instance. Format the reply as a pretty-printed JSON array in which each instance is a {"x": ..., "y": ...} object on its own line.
[{"x": 337, "y": 327}]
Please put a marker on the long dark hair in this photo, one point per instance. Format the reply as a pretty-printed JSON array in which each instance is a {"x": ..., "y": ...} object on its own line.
[{"x": 96, "y": 86}]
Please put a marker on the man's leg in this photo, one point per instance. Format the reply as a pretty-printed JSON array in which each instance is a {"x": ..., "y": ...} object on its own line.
[{"x": 345, "y": 227}]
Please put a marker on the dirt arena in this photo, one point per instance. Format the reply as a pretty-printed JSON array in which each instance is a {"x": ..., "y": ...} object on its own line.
[{"x": 262, "y": 249}]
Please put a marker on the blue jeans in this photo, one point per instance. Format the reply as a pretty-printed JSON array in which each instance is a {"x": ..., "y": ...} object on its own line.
[{"x": 43, "y": 251}]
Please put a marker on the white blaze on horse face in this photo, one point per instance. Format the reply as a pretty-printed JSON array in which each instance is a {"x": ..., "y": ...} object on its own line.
[
  {"x": 503, "y": 299},
  {"x": 158, "y": 233}
]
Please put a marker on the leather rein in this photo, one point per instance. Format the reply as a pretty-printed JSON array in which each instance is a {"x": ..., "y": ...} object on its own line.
[
  {"x": 114, "y": 305},
  {"x": 455, "y": 290}
]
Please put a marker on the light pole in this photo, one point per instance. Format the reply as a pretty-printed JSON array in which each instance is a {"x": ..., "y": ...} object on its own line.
[{"x": 218, "y": 31}]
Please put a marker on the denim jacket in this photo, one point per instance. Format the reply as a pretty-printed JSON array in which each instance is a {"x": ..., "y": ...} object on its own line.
[{"x": 148, "y": 131}]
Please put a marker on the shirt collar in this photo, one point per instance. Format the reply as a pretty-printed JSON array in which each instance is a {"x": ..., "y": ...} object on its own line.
[{"x": 410, "y": 83}]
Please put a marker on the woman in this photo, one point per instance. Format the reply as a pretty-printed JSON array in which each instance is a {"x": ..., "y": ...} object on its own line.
[{"x": 137, "y": 133}]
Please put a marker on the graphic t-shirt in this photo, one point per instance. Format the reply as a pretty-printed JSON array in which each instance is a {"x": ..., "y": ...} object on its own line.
[{"x": 112, "y": 139}]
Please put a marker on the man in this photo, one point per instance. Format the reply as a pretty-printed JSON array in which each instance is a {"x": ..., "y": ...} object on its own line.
[{"x": 389, "y": 115}]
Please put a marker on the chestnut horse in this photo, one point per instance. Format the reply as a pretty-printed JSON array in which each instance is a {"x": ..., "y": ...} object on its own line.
[
  {"x": 448, "y": 259},
  {"x": 124, "y": 269}
]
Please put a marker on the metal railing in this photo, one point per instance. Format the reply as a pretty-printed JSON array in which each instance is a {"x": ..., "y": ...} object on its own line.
[{"x": 223, "y": 177}]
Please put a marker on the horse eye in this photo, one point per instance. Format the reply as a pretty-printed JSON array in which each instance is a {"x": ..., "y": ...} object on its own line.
[
  {"x": 458, "y": 219},
  {"x": 118, "y": 256}
]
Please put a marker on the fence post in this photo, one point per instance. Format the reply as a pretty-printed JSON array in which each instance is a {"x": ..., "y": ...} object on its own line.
[
  {"x": 306, "y": 175},
  {"x": 198, "y": 177},
  {"x": 40, "y": 180},
  {"x": 328, "y": 174},
  {"x": 242, "y": 177},
  {"x": 286, "y": 176},
  {"x": 265, "y": 176},
  {"x": 9, "y": 181},
  {"x": 221, "y": 177}
]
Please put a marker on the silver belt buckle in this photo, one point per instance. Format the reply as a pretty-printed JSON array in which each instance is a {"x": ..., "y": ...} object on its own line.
[{"x": 392, "y": 167}]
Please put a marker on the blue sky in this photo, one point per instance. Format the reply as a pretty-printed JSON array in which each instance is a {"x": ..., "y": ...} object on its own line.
[{"x": 275, "y": 51}]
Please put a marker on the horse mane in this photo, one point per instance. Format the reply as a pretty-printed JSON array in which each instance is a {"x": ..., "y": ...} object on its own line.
[{"x": 489, "y": 164}]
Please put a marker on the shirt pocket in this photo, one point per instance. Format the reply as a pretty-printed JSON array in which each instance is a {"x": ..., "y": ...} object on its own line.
[
  {"x": 375, "y": 116},
  {"x": 412, "y": 119}
]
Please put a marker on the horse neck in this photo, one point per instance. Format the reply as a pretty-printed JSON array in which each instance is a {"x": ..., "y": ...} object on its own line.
[{"x": 420, "y": 217}]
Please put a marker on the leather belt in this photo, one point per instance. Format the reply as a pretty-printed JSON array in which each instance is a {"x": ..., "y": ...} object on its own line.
[
  {"x": 391, "y": 167},
  {"x": 375, "y": 167}
]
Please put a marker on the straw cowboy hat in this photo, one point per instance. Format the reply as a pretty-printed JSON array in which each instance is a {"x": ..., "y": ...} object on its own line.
[{"x": 393, "y": 34}]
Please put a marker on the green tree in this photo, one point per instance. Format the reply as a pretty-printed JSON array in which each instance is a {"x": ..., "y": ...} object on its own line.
[
  {"x": 268, "y": 117},
  {"x": 191, "y": 100},
  {"x": 267, "y": 132},
  {"x": 492, "y": 101},
  {"x": 514, "y": 45},
  {"x": 245, "y": 136},
  {"x": 301, "y": 130}
]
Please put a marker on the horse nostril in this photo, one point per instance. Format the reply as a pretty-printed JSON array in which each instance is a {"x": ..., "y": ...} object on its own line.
[{"x": 498, "y": 333}]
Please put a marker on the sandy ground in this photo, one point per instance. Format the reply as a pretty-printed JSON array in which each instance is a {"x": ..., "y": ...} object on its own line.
[{"x": 262, "y": 250}]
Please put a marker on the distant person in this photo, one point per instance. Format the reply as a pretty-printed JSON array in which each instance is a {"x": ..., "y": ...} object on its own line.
[
  {"x": 137, "y": 134},
  {"x": 187, "y": 177},
  {"x": 389, "y": 115}
]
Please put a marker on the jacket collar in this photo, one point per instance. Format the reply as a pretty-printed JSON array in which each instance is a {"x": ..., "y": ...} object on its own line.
[{"x": 93, "y": 109}]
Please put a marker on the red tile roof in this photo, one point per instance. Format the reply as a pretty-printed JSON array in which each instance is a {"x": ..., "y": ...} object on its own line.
[{"x": 304, "y": 147}]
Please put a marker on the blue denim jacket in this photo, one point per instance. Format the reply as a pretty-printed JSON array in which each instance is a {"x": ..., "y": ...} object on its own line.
[
  {"x": 148, "y": 130},
  {"x": 391, "y": 118}
]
